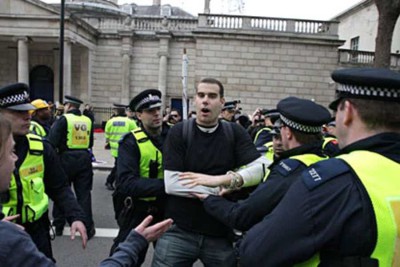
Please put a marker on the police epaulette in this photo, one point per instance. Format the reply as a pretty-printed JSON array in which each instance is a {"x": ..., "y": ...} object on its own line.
[
  {"x": 287, "y": 166},
  {"x": 323, "y": 171}
]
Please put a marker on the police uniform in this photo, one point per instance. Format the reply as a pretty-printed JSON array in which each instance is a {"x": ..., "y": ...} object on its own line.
[
  {"x": 37, "y": 177},
  {"x": 343, "y": 211},
  {"x": 263, "y": 135},
  {"x": 230, "y": 106},
  {"x": 115, "y": 129},
  {"x": 282, "y": 173},
  {"x": 72, "y": 135},
  {"x": 140, "y": 186}
]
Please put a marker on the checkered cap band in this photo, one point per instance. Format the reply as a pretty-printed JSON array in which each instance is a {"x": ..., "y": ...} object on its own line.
[
  {"x": 300, "y": 127},
  {"x": 16, "y": 99},
  {"x": 149, "y": 99},
  {"x": 368, "y": 91}
]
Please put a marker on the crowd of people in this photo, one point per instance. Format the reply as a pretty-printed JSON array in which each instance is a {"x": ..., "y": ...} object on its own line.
[{"x": 293, "y": 184}]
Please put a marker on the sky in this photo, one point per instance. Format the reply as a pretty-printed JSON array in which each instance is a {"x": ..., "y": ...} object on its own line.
[{"x": 299, "y": 9}]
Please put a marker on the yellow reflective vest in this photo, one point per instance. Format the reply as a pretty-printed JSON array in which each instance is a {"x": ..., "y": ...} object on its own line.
[
  {"x": 79, "y": 128},
  {"x": 380, "y": 177},
  {"x": 115, "y": 128},
  {"x": 148, "y": 154},
  {"x": 27, "y": 195},
  {"x": 37, "y": 129}
]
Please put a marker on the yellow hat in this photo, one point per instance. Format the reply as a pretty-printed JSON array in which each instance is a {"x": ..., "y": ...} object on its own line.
[{"x": 39, "y": 103}]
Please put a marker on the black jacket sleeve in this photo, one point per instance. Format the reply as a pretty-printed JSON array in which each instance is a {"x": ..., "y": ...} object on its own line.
[
  {"x": 244, "y": 214},
  {"x": 57, "y": 187},
  {"x": 58, "y": 133},
  {"x": 129, "y": 181}
]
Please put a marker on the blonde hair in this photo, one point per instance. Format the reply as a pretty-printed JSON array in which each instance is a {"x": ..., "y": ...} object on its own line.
[{"x": 5, "y": 132}]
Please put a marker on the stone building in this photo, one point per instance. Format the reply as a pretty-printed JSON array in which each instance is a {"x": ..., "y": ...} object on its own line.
[
  {"x": 358, "y": 27},
  {"x": 113, "y": 52}
]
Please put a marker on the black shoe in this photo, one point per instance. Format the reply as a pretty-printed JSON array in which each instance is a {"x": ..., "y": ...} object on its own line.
[
  {"x": 91, "y": 233},
  {"x": 109, "y": 186},
  {"x": 59, "y": 231}
]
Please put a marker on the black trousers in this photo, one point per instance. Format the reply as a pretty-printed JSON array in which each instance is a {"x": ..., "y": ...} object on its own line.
[
  {"x": 40, "y": 234},
  {"x": 78, "y": 167},
  {"x": 113, "y": 174}
]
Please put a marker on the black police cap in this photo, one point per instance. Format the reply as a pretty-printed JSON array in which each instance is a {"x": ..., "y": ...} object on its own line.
[
  {"x": 16, "y": 97},
  {"x": 73, "y": 100},
  {"x": 229, "y": 105},
  {"x": 147, "y": 99},
  {"x": 303, "y": 115},
  {"x": 366, "y": 83},
  {"x": 119, "y": 106}
]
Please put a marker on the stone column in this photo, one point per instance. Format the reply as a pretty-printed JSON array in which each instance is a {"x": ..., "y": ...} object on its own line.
[
  {"x": 67, "y": 67},
  {"x": 162, "y": 71},
  {"x": 126, "y": 53},
  {"x": 207, "y": 6},
  {"x": 23, "y": 60}
]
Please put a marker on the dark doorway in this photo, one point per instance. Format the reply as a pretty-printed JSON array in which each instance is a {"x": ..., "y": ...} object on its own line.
[
  {"x": 41, "y": 81},
  {"x": 177, "y": 104}
]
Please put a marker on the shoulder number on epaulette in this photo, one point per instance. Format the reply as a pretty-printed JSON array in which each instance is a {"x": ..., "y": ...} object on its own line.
[
  {"x": 287, "y": 166},
  {"x": 323, "y": 171}
]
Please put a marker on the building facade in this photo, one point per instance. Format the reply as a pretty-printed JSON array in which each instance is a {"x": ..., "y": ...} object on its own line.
[
  {"x": 358, "y": 27},
  {"x": 113, "y": 52}
]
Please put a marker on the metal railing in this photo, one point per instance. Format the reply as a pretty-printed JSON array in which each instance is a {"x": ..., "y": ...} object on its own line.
[
  {"x": 268, "y": 24},
  {"x": 364, "y": 58},
  {"x": 225, "y": 22}
]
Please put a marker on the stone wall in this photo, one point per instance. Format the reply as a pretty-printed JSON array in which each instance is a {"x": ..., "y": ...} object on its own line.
[
  {"x": 8, "y": 63},
  {"x": 106, "y": 73}
]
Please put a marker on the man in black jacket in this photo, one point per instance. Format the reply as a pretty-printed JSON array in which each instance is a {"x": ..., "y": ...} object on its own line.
[{"x": 300, "y": 129}]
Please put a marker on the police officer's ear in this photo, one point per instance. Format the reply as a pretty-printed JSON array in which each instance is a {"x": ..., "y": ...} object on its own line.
[
  {"x": 138, "y": 115},
  {"x": 348, "y": 111},
  {"x": 222, "y": 99}
]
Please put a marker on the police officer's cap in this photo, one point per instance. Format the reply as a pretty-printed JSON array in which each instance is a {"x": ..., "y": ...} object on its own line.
[
  {"x": 303, "y": 115},
  {"x": 147, "y": 99},
  {"x": 72, "y": 100},
  {"x": 229, "y": 105},
  {"x": 16, "y": 97},
  {"x": 366, "y": 83},
  {"x": 273, "y": 114},
  {"x": 119, "y": 106}
]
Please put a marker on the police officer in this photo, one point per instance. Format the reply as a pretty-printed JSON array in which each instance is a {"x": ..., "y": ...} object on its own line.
[
  {"x": 140, "y": 186},
  {"x": 72, "y": 135},
  {"x": 37, "y": 175},
  {"x": 116, "y": 127},
  {"x": 263, "y": 133},
  {"x": 41, "y": 116},
  {"x": 228, "y": 111},
  {"x": 301, "y": 123},
  {"x": 346, "y": 209}
]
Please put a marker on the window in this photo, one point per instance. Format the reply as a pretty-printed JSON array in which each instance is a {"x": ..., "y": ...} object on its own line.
[
  {"x": 354, "y": 43},
  {"x": 354, "y": 48}
]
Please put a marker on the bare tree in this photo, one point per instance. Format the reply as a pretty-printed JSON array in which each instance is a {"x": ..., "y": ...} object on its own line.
[{"x": 389, "y": 12}]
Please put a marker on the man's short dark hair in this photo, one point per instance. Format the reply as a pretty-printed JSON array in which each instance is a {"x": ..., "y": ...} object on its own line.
[
  {"x": 306, "y": 138},
  {"x": 377, "y": 114},
  {"x": 213, "y": 81}
]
